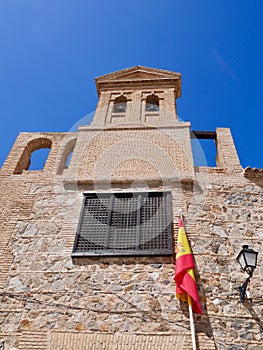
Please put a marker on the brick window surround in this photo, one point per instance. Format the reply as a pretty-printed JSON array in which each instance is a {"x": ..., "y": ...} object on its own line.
[{"x": 124, "y": 224}]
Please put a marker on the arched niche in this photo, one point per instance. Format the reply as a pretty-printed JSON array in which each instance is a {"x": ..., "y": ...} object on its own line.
[
  {"x": 66, "y": 155},
  {"x": 152, "y": 103},
  {"x": 120, "y": 104},
  {"x": 26, "y": 160}
]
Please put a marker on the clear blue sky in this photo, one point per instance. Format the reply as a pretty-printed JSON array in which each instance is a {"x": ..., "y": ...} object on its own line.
[{"x": 52, "y": 50}]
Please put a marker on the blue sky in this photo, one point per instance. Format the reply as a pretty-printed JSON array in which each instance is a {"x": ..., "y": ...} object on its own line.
[{"x": 51, "y": 51}]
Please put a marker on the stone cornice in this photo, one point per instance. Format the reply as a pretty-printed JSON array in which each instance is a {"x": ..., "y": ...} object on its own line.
[{"x": 139, "y": 77}]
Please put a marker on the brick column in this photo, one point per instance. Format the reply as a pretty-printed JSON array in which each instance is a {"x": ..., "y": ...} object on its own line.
[{"x": 227, "y": 157}]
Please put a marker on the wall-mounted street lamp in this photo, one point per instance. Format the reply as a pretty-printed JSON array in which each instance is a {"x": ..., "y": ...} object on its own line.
[{"x": 247, "y": 259}]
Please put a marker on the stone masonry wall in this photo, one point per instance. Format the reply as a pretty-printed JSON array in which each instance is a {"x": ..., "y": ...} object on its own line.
[{"x": 51, "y": 302}]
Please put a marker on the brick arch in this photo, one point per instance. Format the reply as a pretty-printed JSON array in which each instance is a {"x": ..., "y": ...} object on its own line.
[
  {"x": 32, "y": 146},
  {"x": 120, "y": 104},
  {"x": 68, "y": 148},
  {"x": 152, "y": 103}
]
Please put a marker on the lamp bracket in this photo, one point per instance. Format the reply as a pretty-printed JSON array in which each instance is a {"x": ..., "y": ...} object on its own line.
[{"x": 242, "y": 289}]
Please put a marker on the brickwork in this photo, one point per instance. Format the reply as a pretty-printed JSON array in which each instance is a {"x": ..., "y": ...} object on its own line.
[
  {"x": 100, "y": 154},
  {"x": 53, "y": 302}
]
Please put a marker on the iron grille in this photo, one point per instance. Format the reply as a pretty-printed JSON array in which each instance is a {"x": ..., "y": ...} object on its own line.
[{"x": 136, "y": 223}]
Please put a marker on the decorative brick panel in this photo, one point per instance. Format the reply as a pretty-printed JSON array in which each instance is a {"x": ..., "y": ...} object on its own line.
[
  {"x": 80, "y": 341},
  {"x": 34, "y": 341}
]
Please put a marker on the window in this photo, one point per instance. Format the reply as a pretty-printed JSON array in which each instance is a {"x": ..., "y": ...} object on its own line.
[
  {"x": 152, "y": 103},
  {"x": 114, "y": 224},
  {"x": 120, "y": 104}
]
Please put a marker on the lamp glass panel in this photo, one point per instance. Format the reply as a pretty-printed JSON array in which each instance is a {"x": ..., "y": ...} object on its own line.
[
  {"x": 242, "y": 261},
  {"x": 251, "y": 258}
]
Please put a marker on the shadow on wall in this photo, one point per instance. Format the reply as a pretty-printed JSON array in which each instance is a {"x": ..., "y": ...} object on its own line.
[
  {"x": 255, "y": 316},
  {"x": 202, "y": 322}
]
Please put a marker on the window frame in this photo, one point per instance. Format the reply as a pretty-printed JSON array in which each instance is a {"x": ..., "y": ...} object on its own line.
[{"x": 111, "y": 252}]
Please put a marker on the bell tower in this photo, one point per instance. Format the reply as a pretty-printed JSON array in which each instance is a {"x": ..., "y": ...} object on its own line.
[
  {"x": 135, "y": 134},
  {"x": 137, "y": 95}
]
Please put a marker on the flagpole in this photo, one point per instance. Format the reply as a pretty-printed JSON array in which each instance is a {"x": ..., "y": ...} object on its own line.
[
  {"x": 192, "y": 326},
  {"x": 191, "y": 316}
]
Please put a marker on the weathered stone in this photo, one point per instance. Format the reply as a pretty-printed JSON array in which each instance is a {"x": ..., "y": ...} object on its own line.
[
  {"x": 126, "y": 276},
  {"x": 156, "y": 266}
]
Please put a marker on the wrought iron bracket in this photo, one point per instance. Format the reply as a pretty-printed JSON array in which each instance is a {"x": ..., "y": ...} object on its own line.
[{"x": 242, "y": 289}]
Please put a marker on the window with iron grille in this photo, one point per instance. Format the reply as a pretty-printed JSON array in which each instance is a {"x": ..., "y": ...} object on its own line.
[{"x": 113, "y": 224}]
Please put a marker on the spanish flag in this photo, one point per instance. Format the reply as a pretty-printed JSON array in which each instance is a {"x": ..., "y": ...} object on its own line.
[{"x": 184, "y": 272}]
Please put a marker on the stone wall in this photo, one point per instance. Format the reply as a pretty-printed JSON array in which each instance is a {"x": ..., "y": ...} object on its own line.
[{"x": 49, "y": 301}]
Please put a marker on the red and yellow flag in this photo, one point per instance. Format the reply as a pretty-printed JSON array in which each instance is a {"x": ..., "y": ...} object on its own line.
[{"x": 184, "y": 272}]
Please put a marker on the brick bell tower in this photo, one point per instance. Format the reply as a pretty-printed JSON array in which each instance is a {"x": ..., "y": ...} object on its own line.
[
  {"x": 135, "y": 133},
  {"x": 138, "y": 95}
]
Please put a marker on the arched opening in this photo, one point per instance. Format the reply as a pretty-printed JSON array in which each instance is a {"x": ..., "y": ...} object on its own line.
[
  {"x": 34, "y": 156},
  {"x": 66, "y": 155},
  {"x": 152, "y": 103},
  {"x": 68, "y": 160},
  {"x": 38, "y": 159},
  {"x": 120, "y": 104}
]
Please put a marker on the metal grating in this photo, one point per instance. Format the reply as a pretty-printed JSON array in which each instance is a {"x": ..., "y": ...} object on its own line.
[{"x": 124, "y": 224}]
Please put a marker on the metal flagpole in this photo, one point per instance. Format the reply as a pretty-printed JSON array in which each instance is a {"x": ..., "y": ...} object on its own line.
[
  {"x": 192, "y": 326},
  {"x": 191, "y": 316}
]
